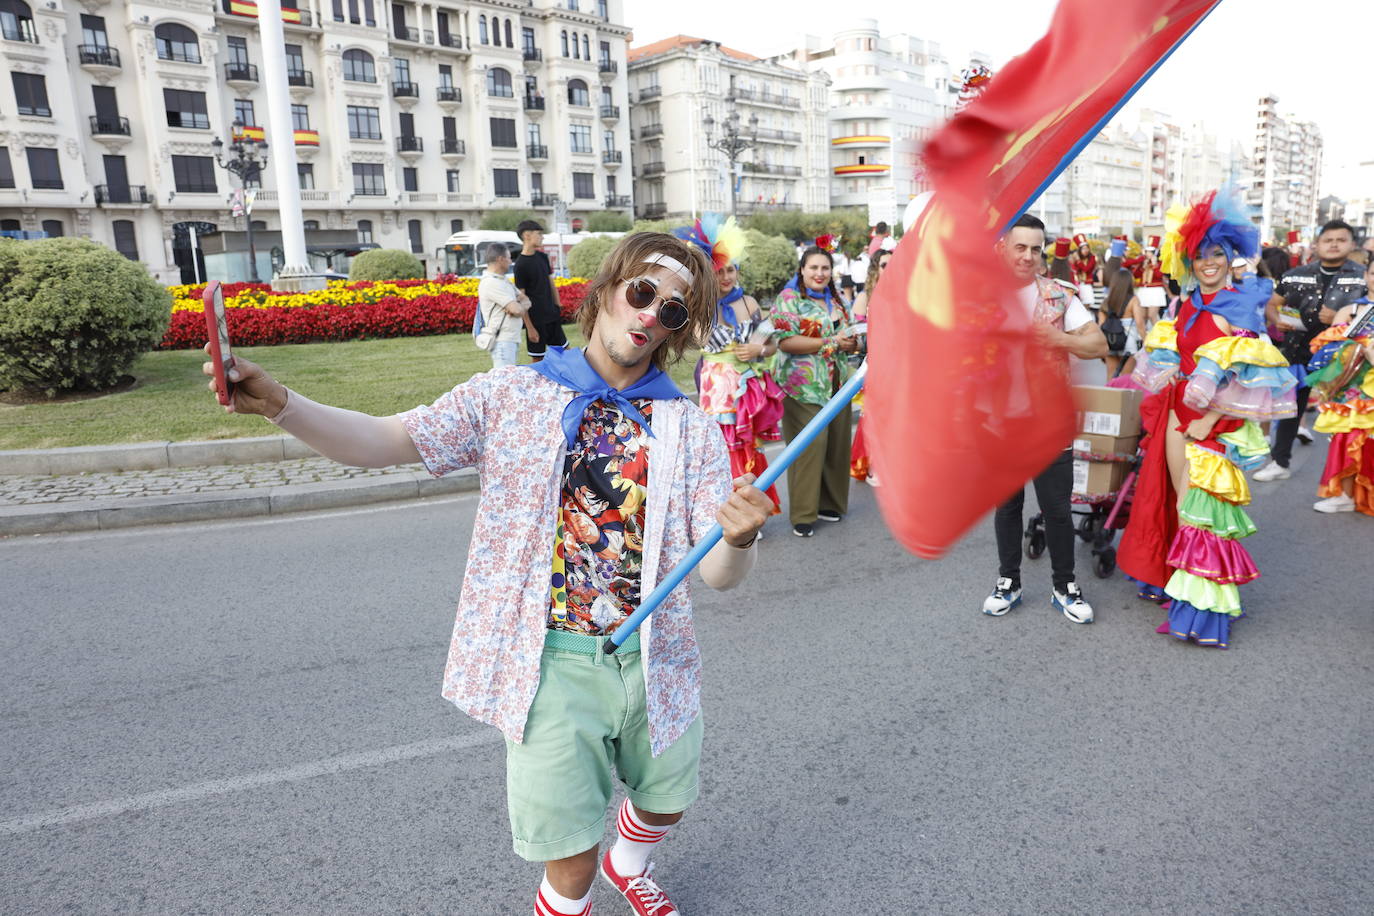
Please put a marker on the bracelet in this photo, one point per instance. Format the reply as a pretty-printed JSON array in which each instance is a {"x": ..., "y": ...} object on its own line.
[{"x": 752, "y": 540}]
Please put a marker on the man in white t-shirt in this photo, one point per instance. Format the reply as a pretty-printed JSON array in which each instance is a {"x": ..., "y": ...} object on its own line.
[
  {"x": 1061, "y": 323},
  {"x": 858, "y": 271},
  {"x": 504, "y": 308}
]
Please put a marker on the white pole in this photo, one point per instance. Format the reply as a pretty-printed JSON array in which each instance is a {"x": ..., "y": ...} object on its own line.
[
  {"x": 195, "y": 253},
  {"x": 283, "y": 140}
]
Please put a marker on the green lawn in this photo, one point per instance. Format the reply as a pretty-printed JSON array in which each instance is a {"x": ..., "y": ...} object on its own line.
[{"x": 170, "y": 400}]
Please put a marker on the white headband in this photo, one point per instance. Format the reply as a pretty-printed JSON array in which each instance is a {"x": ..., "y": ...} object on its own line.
[{"x": 673, "y": 264}]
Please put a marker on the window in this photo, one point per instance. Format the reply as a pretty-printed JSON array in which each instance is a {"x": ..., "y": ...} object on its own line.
[
  {"x": 125, "y": 238},
  {"x": 416, "y": 242},
  {"x": 450, "y": 126},
  {"x": 577, "y": 93},
  {"x": 338, "y": 10},
  {"x": 565, "y": 42},
  {"x": 503, "y": 132},
  {"x": 498, "y": 83},
  {"x": 300, "y": 117},
  {"x": 16, "y": 21},
  {"x": 93, "y": 31},
  {"x": 482, "y": 29},
  {"x": 606, "y": 98},
  {"x": 445, "y": 76},
  {"x": 581, "y": 135},
  {"x": 410, "y": 179},
  {"x": 238, "y": 51},
  {"x": 365, "y": 231},
  {"x": 364, "y": 123},
  {"x": 455, "y": 225},
  {"x": 6, "y": 169},
  {"x": 527, "y": 38},
  {"x": 31, "y": 95},
  {"x": 10, "y": 225},
  {"x": 402, "y": 70},
  {"x": 577, "y": 49},
  {"x": 605, "y": 52},
  {"x": 536, "y": 183},
  {"x": 358, "y": 67},
  {"x": 533, "y": 135},
  {"x": 584, "y": 185},
  {"x": 243, "y": 111},
  {"x": 177, "y": 42},
  {"x": 194, "y": 174},
  {"x": 586, "y": 47},
  {"x": 305, "y": 176},
  {"x": 506, "y": 181},
  {"x": 509, "y": 43},
  {"x": 368, "y": 180},
  {"x": 310, "y": 224},
  {"x": 451, "y": 180},
  {"x": 53, "y": 228},
  {"x": 608, "y": 141},
  {"x": 186, "y": 109},
  {"x": 610, "y": 186},
  {"x": 295, "y": 59}
]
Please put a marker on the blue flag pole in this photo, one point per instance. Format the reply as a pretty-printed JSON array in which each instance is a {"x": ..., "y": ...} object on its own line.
[{"x": 775, "y": 470}]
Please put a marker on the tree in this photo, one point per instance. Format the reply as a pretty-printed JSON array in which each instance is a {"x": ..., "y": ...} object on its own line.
[
  {"x": 385, "y": 264},
  {"x": 584, "y": 260},
  {"x": 504, "y": 220},
  {"x": 608, "y": 222},
  {"x": 74, "y": 314},
  {"x": 654, "y": 225},
  {"x": 769, "y": 261}
]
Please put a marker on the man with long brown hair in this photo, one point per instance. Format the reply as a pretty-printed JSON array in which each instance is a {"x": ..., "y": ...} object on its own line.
[{"x": 597, "y": 477}]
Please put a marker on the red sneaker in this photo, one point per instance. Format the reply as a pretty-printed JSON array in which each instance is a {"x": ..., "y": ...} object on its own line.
[{"x": 644, "y": 895}]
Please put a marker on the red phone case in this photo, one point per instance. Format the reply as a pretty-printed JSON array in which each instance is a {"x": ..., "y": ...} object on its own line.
[{"x": 213, "y": 299}]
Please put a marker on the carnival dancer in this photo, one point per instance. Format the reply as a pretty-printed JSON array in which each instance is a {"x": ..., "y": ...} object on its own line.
[
  {"x": 1341, "y": 377},
  {"x": 736, "y": 383},
  {"x": 814, "y": 334},
  {"x": 860, "y": 464},
  {"x": 1084, "y": 262},
  {"x": 597, "y": 476},
  {"x": 1217, "y": 377}
]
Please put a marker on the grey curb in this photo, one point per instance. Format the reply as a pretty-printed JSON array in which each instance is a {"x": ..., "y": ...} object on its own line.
[
  {"x": 105, "y": 515},
  {"x": 150, "y": 456}
]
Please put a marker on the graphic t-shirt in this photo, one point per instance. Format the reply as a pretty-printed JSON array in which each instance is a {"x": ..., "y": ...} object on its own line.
[
  {"x": 599, "y": 546},
  {"x": 532, "y": 277}
]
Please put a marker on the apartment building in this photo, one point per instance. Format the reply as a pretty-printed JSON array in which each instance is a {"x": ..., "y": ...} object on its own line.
[
  {"x": 410, "y": 120},
  {"x": 1286, "y": 170}
]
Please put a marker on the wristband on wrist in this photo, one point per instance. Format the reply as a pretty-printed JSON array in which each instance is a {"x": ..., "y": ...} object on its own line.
[{"x": 752, "y": 540}]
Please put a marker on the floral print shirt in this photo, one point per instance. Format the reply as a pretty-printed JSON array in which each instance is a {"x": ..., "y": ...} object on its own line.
[
  {"x": 810, "y": 378},
  {"x": 507, "y": 423},
  {"x": 598, "y": 551}
]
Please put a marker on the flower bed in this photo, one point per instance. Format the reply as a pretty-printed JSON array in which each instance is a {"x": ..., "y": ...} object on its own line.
[{"x": 261, "y": 316}]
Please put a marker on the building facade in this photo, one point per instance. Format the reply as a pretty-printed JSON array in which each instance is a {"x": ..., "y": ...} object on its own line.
[
  {"x": 1286, "y": 171},
  {"x": 410, "y": 120},
  {"x": 686, "y": 92}
]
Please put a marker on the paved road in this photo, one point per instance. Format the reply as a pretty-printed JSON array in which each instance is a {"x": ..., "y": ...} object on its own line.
[{"x": 244, "y": 718}]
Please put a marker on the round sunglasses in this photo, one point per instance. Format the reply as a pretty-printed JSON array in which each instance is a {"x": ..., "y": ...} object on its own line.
[{"x": 642, "y": 293}]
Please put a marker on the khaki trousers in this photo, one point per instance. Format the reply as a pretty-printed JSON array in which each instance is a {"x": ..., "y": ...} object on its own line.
[{"x": 819, "y": 478}]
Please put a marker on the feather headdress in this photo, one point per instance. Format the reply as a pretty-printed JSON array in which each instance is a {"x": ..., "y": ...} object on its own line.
[
  {"x": 720, "y": 237},
  {"x": 1217, "y": 219}
]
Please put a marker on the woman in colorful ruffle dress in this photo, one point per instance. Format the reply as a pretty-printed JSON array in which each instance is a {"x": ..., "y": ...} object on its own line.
[
  {"x": 1217, "y": 378},
  {"x": 1342, "y": 381},
  {"x": 736, "y": 384}
]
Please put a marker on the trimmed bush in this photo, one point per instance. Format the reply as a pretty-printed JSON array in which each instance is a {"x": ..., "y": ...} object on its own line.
[
  {"x": 507, "y": 220},
  {"x": 584, "y": 258},
  {"x": 608, "y": 222},
  {"x": 74, "y": 315},
  {"x": 768, "y": 263},
  {"x": 385, "y": 264}
]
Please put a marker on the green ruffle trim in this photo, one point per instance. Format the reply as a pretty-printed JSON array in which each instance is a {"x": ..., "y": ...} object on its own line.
[
  {"x": 1203, "y": 510},
  {"x": 1249, "y": 440},
  {"x": 1204, "y": 594}
]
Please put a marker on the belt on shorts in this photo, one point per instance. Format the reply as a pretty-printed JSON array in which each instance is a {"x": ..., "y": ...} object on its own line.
[{"x": 563, "y": 641}]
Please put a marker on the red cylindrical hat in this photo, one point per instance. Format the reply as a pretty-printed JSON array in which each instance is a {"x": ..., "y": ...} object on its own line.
[
  {"x": 1080, "y": 240},
  {"x": 1154, "y": 242},
  {"x": 1293, "y": 237},
  {"x": 1061, "y": 248},
  {"x": 1121, "y": 238}
]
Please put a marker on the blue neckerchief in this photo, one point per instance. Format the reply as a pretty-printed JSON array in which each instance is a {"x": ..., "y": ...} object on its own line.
[
  {"x": 822, "y": 296},
  {"x": 1242, "y": 306},
  {"x": 570, "y": 369},
  {"x": 727, "y": 314}
]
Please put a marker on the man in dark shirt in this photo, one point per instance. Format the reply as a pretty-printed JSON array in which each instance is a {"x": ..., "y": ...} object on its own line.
[
  {"x": 534, "y": 278},
  {"x": 1315, "y": 292}
]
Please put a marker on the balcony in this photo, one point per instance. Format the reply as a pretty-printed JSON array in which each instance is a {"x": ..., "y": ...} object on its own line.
[
  {"x": 650, "y": 92},
  {"x": 410, "y": 146},
  {"x": 536, "y": 151},
  {"x": 405, "y": 33},
  {"x": 649, "y": 131},
  {"x": 405, "y": 90},
  {"x": 110, "y": 127},
  {"x": 533, "y": 55},
  {"x": 607, "y": 68},
  {"x": 655, "y": 211},
  {"x": 610, "y": 112},
  {"x": 98, "y": 58},
  {"x": 305, "y": 140},
  {"x": 540, "y": 199},
  {"x": 653, "y": 168},
  {"x": 135, "y": 194},
  {"x": 300, "y": 79},
  {"x": 451, "y": 147},
  {"x": 456, "y": 42},
  {"x": 794, "y": 171},
  {"x": 611, "y": 157},
  {"x": 621, "y": 202},
  {"x": 243, "y": 74},
  {"x": 534, "y": 103}
]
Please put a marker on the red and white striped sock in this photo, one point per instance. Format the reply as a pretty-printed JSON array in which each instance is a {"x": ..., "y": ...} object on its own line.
[
  {"x": 551, "y": 903},
  {"x": 630, "y": 854}
]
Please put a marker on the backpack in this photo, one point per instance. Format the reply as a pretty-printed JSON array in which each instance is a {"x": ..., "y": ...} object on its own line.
[{"x": 1115, "y": 332}]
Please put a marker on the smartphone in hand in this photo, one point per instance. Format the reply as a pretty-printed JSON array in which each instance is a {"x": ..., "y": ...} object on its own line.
[{"x": 217, "y": 330}]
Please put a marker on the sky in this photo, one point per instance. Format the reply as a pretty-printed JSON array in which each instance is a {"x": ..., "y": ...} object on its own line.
[{"x": 1316, "y": 65}]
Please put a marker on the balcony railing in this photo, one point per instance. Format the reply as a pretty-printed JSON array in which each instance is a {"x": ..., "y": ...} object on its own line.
[
  {"x": 768, "y": 168},
  {"x": 650, "y": 92},
  {"x": 449, "y": 40},
  {"x": 650, "y": 130},
  {"x": 533, "y": 54},
  {"x": 448, "y": 94},
  {"x": 653, "y": 168},
  {"x": 98, "y": 56},
  {"x": 543, "y": 200},
  {"x": 127, "y": 194},
  {"x": 17, "y": 29},
  {"x": 109, "y": 127},
  {"x": 242, "y": 73},
  {"x": 401, "y": 90},
  {"x": 534, "y": 103},
  {"x": 655, "y": 211},
  {"x": 612, "y": 156},
  {"x": 608, "y": 66},
  {"x": 300, "y": 78},
  {"x": 614, "y": 202},
  {"x": 610, "y": 112},
  {"x": 537, "y": 151},
  {"x": 451, "y": 147},
  {"x": 410, "y": 145},
  {"x": 405, "y": 33}
]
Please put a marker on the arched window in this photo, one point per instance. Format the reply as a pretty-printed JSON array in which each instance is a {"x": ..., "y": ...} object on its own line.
[
  {"x": 577, "y": 48},
  {"x": 176, "y": 42},
  {"x": 577, "y": 93},
  {"x": 482, "y": 30},
  {"x": 16, "y": 20},
  {"x": 365, "y": 231},
  {"x": 498, "y": 83},
  {"x": 509, "y": 43},
  {"x": 565, "y": 42},
  {"x": 586, "y": 47},
  {"x": 358, "y": 66}
]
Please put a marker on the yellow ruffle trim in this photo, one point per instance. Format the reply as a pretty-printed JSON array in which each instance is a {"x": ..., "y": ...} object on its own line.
[
  {"x": 1163, "y": 336},
  {"x": 1228, "y": 351},
  {"x": 1344, "y": 418},
  {"x": 1212, "y": 472}
]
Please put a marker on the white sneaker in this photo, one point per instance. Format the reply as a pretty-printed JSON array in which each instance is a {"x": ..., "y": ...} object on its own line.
[
  {"x": 1340, "y": 503},
  {"x": 1304, "y": 435},
  {"x": 1070, "y": 603},
  {"x": 1002, "y": 599},
  {"x": 1272, "y": 471},
  {"x": 873, "y": 480}
]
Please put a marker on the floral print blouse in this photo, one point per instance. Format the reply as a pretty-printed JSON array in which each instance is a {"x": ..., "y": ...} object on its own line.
[{"x": 810, "y": 378}]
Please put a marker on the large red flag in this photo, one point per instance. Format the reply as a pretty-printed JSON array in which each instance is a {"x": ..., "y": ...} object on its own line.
[{"x": 964, "y": 407}]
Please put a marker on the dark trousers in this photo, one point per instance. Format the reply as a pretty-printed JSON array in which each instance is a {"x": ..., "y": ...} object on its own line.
[
  {"x": 1053, "y": 488},
  {"x": 819, "y": 478},
  {"x": 1285, "y": 431}
]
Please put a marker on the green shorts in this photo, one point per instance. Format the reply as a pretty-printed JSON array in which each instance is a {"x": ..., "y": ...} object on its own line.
[{"x": 589, "y": 716}]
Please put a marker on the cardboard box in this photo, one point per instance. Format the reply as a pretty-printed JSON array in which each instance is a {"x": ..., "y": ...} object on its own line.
[
  {"x": 1105, "y": 445},
  {"x": 1098, "y": 478},
  {"x": 1106, "y": 411}
]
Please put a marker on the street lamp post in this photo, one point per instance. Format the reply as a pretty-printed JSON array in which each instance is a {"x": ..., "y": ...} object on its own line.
[
  {"x": 246, "y": 160},
  {"x": 732, "y": 142}
]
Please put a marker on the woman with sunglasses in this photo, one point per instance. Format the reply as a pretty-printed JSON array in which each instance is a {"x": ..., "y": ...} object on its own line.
[
  {"x": 571, "y": 528},
  {"x": 735, "y": 378},
  {"x": 859, "y": 465},
  {"x": 813, "y": 324}
]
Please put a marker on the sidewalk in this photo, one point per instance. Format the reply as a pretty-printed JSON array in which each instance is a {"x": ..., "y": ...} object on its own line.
[{"x": 107, "y": 487}]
